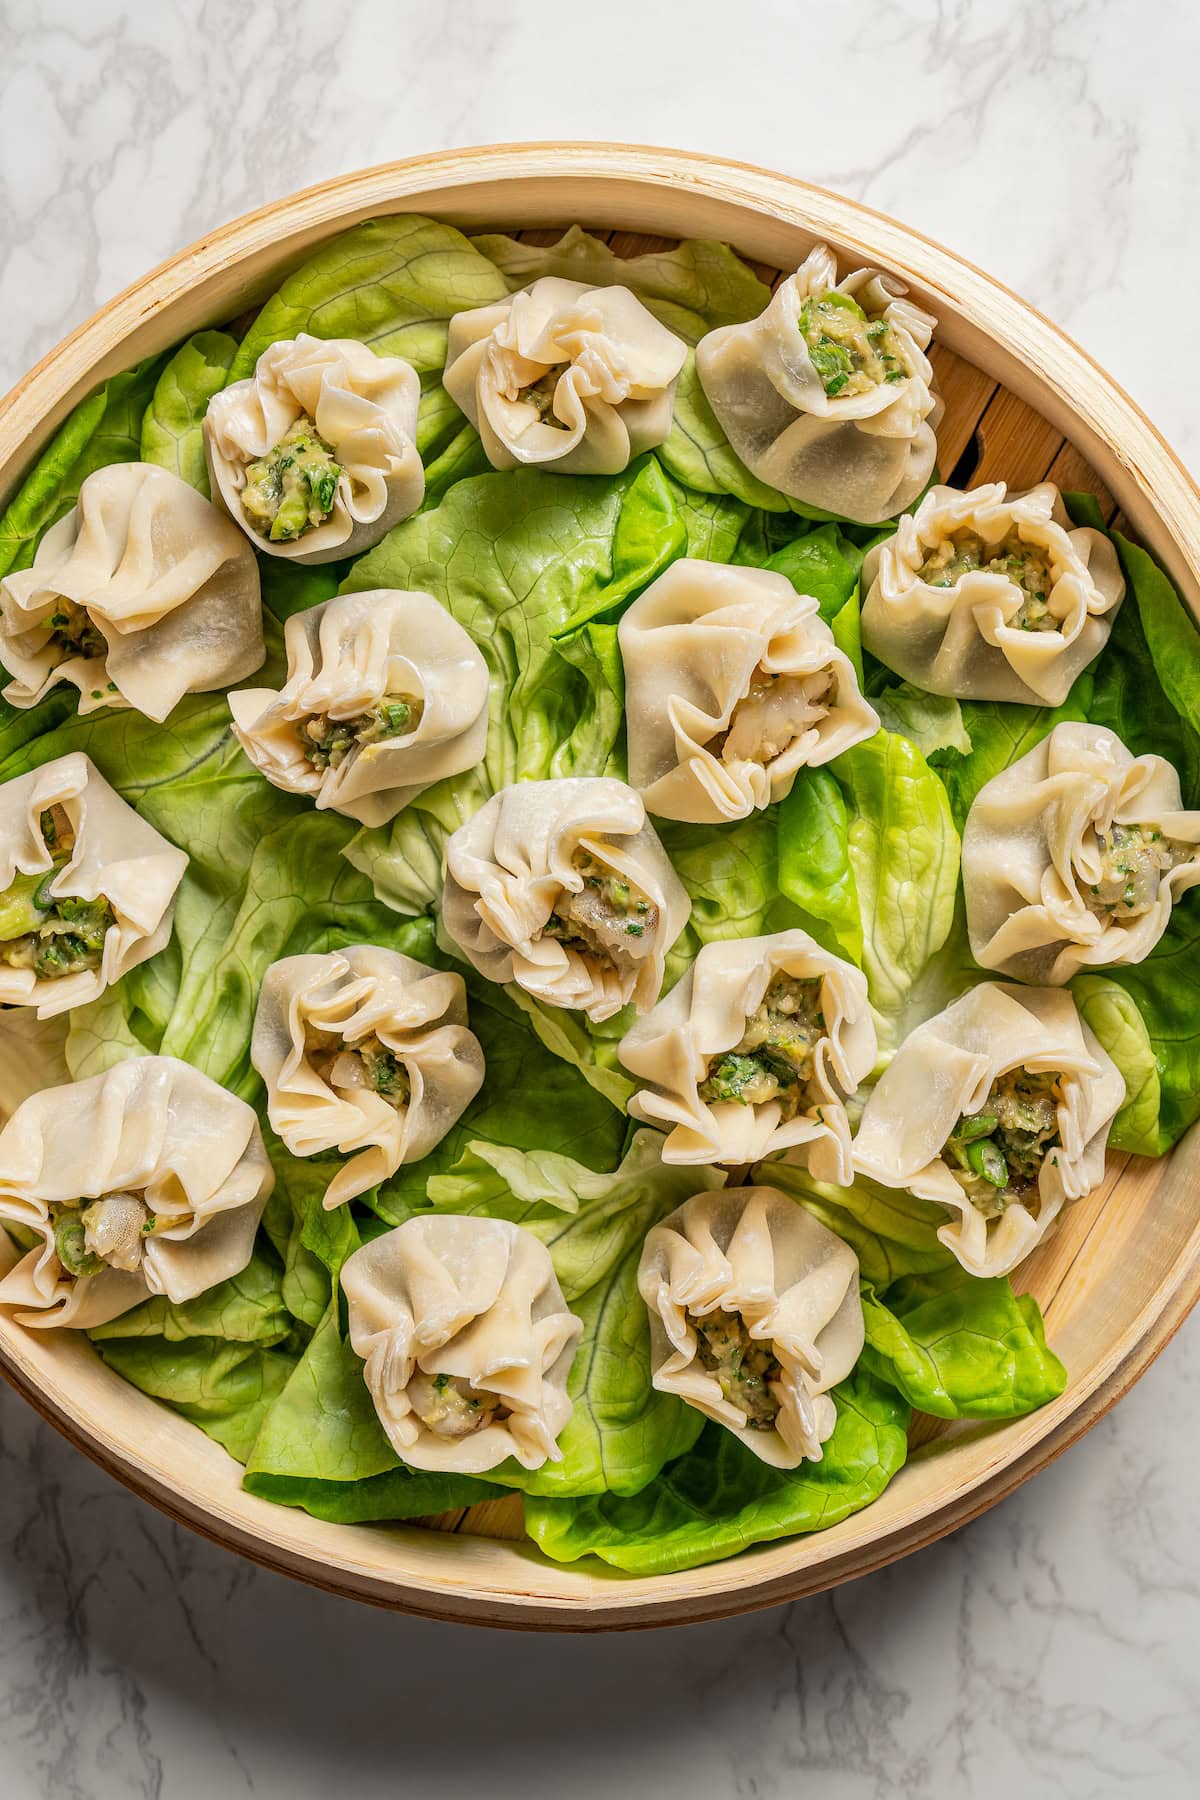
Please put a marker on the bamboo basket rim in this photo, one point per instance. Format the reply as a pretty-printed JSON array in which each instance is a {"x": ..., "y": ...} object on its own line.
[{"x": 29, "y": 413}]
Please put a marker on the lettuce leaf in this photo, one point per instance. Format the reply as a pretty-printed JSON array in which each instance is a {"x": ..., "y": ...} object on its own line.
[
  {"x": 1113, "y": 1015},
  {"x": 172, "y": 429},
  {"x": 960, "y": 1347},
  {"x": 891, "y": 1232},
  {"x": 720, "y": 1498},
  {"x": 226, "y": 1388}
]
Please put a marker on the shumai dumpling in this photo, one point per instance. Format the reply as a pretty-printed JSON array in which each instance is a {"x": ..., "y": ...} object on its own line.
[
  {"x": 988, "y": 597},
  {"x": 755, "y": 1051},
  {"x": 33, "y": 1055},
  {"x": 148, "y": 1179},
  {"x": 564, "y": 888},
  {"x": 385, "y": 694},
  {"x": 732, "y": 683},
  {"x": 143, "y": 593},
  {"x": 577, "y": 379},
  {"x": 87, "y": 887},
  {"x": 1073, "y": 857},
  {"x": 828, "y": 395},
  {"x": 315, "y": 455},
  {"x": 364, "y": 1050},
  {"x": 998, "y": 1109},
  {"x": 755, "y": 1313},
  {"x": 467, "y": 1342}
]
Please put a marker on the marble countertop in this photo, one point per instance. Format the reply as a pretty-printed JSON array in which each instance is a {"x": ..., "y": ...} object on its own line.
[{"x": 1053, "y": 1647}]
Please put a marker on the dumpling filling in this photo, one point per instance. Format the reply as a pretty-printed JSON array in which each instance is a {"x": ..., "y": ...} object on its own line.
[
  {"x": 72, "y": 631},
  {"x": 52, "y": 936},
  {"x": 996, "y": 1154},
  {"x": 451, "y": 1408},
  {"x": 775, "y": 711},
  {"x": 851, "y": 353},
  {"x": 608, "y": 920},
  {"x": 774, "y": 1058},
  {"x": 328, "y": 742},
  {"x": 540, "y": 395},
  {"x": 292, "y": 488},
  {"x": 1027, "y": 566},
  {"x": 1133, "y": 861},
  {"x": 367, "y": 1063},
  {"x": 746, "y": 1368},
  {"x": 108, "y": 1233}
]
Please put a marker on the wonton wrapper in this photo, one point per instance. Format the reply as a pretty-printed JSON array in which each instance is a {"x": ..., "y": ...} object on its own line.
[
  {"x": 956, "y": 640},
  {"x": 153, "y": 1126},
  {"x": 473, "y": 1298},
  {"x": 706, "y": 1013},
  {"x": 164, "y": 577},
  {"x": 946, "y": 1067},
  {"x": 363, "y": 405},
  {"x": 343, "y": 657},
  {"x": 690, "y": 645},
  {"x": 33, "y": 1055},
  {"x": 1030, "y": 856},
  {"x": 755, "y": 1252},
  {"x": 613, "y": 401},
  {"x": 417, "y": 1012},
  {"x": 116, "y": 854},
  {"x": 507, "y": 866},
  {"x": 862, "y": 456}
]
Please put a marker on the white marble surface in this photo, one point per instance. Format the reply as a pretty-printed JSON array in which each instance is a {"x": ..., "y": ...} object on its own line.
[{"x": 1052, "y": 1648}]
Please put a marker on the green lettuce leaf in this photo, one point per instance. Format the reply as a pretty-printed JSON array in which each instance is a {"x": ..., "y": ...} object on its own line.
[
  {"x": 398, "y": 1493},
  {"x": 720, "y": 1498},
  {"x": 172, "y": 429},
  {"x": 930, "y": 721},
  {"x": 226, "y": 1388},
  {"x": 1113, "y": 1015},
  {"x": 892, "y": 1233},
  {"x": 960, "y": 1347},
  {"x": 249, "y": 1308}
]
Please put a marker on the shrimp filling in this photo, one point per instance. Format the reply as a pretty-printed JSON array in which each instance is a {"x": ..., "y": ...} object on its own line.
[
  {"x": 608, "y": 920},
  {"x": 107, "y": 1233},
  {"x": 367, "y": 1063},
  {"x": 292, "y": 488},
  {"x": 450, "y": 1407},
  {"x": 775, "y": 711},
  {"x": 1133, "y": 861},
  {"x": 774, "y": 1059},
  {"x": 53, "y": 936},
  {"x": 996, "y": 1154},
  {"x": 328, "y": 742},
  {"x": 746, "y": 1369},
  {"x": 850, "y": 352},
  {"x": 1027, "y": 566}
]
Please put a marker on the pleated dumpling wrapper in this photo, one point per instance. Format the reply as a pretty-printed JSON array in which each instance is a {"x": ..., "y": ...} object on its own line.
[
  {"x": 385, "y": 694},
  {"x": 564, "y": 888},
  {"x": 732, "y": 683},
  {"x": 828, "y": 394},
  {"x": 998, "y": 1109},
  {"x": 365, "y": 1051},
  {"x": 990, "y": 597},
  {"x": 315, "y": 454},
  {"x": 755, "y": 1313},
  {"x": 755, "y": 1051},
  {"x": 562, "y": 376},
  {"x": 1073, "y": 857},
  {"x": 148, "y": 1179},
  {"x": 143, "y": 593},
  {"x": 467, "y": 1342},
  {"x": 87, "y": 887}
]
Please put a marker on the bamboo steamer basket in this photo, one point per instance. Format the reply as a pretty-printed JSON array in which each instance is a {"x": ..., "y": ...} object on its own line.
[{"x": 1023, "y": 403}]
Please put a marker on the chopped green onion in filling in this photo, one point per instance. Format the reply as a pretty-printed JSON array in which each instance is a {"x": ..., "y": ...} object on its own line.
[
  {"x": 450, "y": 1407},
  {"x": 774, "y": 1058},
  {"x": 851, "y": 353},
  {"x": 540, "y": 395},
  {"x": 745, "y": 1367},
  {"x": 1027, "y": 566},
  {"x": 72, "y": 631},
  {"x": 328, "y": 742},
  {"x": 292, "y": 488},
  {"x": 366, "y": 1063},
  {"x": 107, "y": 1233},
  {"x": 996, "y": 1154},
  {"x": 1133, "y": 860},
  {"x": 609, "y": 920},
  {"x": 775, "y": 710},
  {"x": 52, "y": 936}
]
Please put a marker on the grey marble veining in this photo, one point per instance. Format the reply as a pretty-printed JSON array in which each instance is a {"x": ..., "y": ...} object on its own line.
[{"x": 1053, "y": 1647}]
